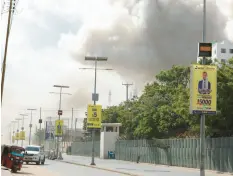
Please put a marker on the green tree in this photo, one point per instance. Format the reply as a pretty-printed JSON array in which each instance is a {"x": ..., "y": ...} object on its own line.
[
  {"x": 163, "y": 108},
  {"x": 221, "y": 125}
]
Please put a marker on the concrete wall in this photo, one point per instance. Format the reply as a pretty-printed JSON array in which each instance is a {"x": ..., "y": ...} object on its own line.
[{"x": 107, "y": 143}]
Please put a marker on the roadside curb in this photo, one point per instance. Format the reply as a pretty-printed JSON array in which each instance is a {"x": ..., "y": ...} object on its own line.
[{"x": 100, "y": 168}]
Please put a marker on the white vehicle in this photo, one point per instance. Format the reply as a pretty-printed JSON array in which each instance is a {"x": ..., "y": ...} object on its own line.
[{"x": 35, "y": 154}]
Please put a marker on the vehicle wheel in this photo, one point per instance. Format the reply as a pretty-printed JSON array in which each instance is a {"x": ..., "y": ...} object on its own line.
[
  {"x": 14, "y": 169},
  {"x": 38, "y": 163},
  {"x": 26, "y": 162}
]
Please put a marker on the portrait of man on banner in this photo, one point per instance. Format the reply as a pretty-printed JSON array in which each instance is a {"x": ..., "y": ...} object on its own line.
[
  {"x": 204, "y": 86},
  {"x": 59, "y": 129}
]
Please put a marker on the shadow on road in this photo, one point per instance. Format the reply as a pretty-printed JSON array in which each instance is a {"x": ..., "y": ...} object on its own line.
[
  {"x": 32, "y": 164},
  {"x": 3, "y": 168},
  {"x": 23, "y": 173},
  {"x": 18, "y": 172}
]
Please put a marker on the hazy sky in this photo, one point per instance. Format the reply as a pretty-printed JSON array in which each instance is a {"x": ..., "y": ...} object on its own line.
[{"x": 49, "y": 39}]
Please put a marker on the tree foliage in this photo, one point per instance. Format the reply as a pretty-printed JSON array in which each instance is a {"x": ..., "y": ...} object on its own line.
[{"x": 162, "y": 111}]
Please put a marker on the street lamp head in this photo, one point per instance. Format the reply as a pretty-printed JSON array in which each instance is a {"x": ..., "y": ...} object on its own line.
[
  {"x": 32, "y": 109},
  {"x": 23, "y": 114},
  {"x": 91, "y": 58},
  {"x": 102, "y": 58},
  {"x": 60, "y": 86},
  {"x": 60, "y": 93},
  {"x": 86, "y": 68},
  {"x": 107, "y": 69}
]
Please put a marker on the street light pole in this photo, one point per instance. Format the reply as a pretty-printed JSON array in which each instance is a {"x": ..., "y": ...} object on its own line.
[
  {"x": 40, "y": 122},
  {"x": 61, "y": 87},
  {"x": 6, "y": 48},
  {"x": 30, "y": 126},
  {"x": 202, "y": 126},
  {"x": 17, "y": 131},
  {"x": 13, "y": 130},
  {"x": 72, "y": 119},
  {"x": 127, "y": 90},
  {"x": 22, "y": 128},
  {"x": 95, "y": 98}
]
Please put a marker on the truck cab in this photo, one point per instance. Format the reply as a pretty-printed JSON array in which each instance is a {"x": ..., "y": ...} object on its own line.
[{"x": 34, "y": 154}]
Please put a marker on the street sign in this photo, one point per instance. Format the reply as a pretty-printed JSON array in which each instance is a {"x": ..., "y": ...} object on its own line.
[
  {"x": 94, "y": 116},
  {"x": 205, "y": 50},
  {"x": 17, "y": 136},
  {"x": 59, "y": 112},
  {"x": 203, "y": 89},
  {"x": 40, "y": 120},
  {"x": 13, "y": 139},
  {"x": 22, "y": 135},
  {"x": 59, "y": 128},
  {"x": 95, "y": 97}
]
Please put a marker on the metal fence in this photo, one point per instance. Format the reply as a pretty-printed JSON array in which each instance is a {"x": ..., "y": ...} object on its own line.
[
  {"x": 49, "y": 145},
  {"x": 179, "y": 152},
  {"x": 85, "y": 148}
]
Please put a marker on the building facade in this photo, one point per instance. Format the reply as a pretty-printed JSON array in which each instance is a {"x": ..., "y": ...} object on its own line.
[{"x": 222, "y": 51}]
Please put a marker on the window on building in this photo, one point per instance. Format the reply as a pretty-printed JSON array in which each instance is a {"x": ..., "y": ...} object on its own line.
[
  {"x": 223, "y": 61},
  {"x": 223, "y": 50},
  {"x": 231, "y": 51}
]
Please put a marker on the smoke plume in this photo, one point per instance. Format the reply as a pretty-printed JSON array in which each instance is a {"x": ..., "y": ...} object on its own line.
[{"x": 142, "y": 37}]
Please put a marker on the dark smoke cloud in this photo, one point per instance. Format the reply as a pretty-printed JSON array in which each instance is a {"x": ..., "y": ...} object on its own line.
[{"x": 168, "y": 35}]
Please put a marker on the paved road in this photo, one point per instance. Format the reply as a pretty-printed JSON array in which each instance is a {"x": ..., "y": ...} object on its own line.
[
  {"x": 59, "y": 168},
  {"x": 138, "y": 169},
  {"x": 28, "y": 170},
  {"x": 56, "y": 168}
]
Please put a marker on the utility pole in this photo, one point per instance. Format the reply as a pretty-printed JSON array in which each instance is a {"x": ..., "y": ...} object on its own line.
[
  {"x": 72, "y": 118},
  {"x": 40, "y": 122},
  {"x": 10, "y": 129},
  {"x": 30, "y": 125},
  {"x": 6, "y": 48},
  {"x": 64, "y": 137},
  {"x": 202, "y": 127},
  {"x": 95, "y": 97},
  {"x": 127, "y": 90},
  {"x": 22, "y": 128},
  {"x": 59, "y": 112},
  {"x": 109, "y": 98},
  {"x": 13, "y": 129},
  {"x": 17, "y": 131}
]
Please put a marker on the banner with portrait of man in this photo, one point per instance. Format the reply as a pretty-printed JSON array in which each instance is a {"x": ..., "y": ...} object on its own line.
[
  {"x": 203, "y": 89},
  {"x": 49, "y": 130},
  {"x": 59, "y": 128}
]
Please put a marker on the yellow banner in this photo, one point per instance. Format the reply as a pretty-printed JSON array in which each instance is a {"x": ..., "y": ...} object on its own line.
[
  {"x": 59, "y": 127},
  {"x": 94, "y": 113},
  {"x": 13, "y": 139},
  {"x": 16, "y": 136},
  {"x": 22, "y": 135},
  {"x": 203, "y": 89}
]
